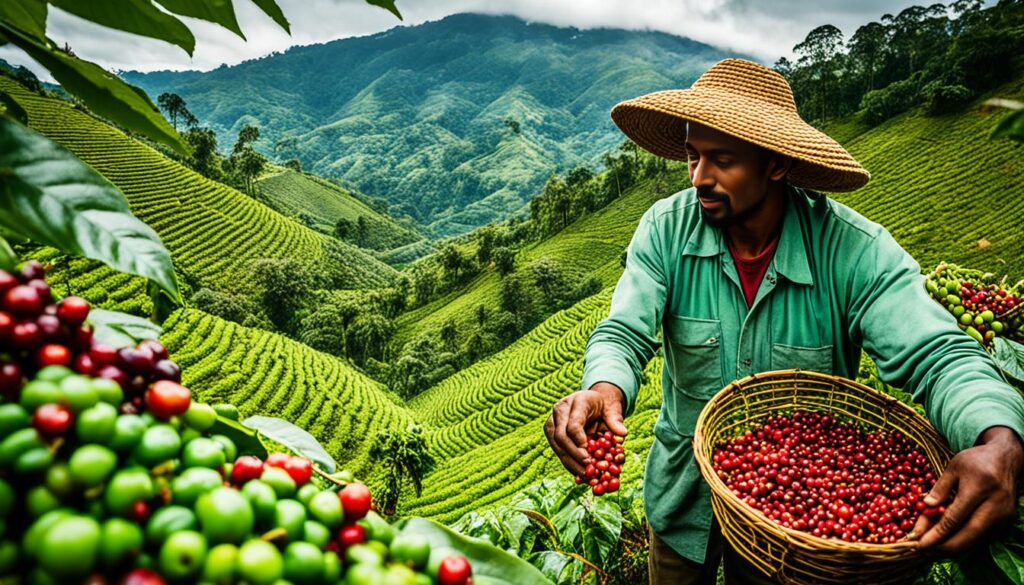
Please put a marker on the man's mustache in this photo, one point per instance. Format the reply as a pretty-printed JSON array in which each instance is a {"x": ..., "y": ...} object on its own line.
[{"x": 708, "y": 194}]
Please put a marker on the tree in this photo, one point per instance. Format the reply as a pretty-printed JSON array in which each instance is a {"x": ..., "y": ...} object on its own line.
[
  {"x": 324, "y": 329},
  {"x": 343, "y": 228},
  {"x": 818, "y": 53},
  {"x": 285, "y": 287},
  {"x": 246, "y": 137},
  {"x": 866, "y": 48},
  {"x": 449, "y": 334},
  {"x": 293, "y": 164},
  {"x": 504, "y": 260},
  {"x": 452, "y": 261},
  {"x": 362, "y": 230},
  {"x": 368, "y": 337},
  {"x": 405, "y": 458},
  {"x": 485, "y": 244},
  {"x": 246, "y": 162},
  {"x": 204, "y": 159},
  {"x": 513, "y": 125},
  {"x": 175, "y": 107}
]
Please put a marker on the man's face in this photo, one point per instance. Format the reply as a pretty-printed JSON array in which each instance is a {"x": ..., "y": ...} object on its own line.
[{"x": 729, "y": 174}]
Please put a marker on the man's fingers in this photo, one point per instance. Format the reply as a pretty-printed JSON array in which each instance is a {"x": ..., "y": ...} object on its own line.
[
  {"x": 943, "y": 488},
  {"x": 570, "y": 452},
  {"x": 549, "y": 432},
  {"x": 613, "y": 418},
  {"x": 574, "y": 429},
  {"x": 956, "y": 515},
  {"x": 984, "y": 517}
]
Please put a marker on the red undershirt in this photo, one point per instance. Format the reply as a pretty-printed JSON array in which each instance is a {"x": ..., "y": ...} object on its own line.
[{"x": 752, "y": 270}]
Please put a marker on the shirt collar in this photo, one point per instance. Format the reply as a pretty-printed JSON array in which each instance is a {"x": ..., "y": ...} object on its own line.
[{"x": 791, "y": 257}]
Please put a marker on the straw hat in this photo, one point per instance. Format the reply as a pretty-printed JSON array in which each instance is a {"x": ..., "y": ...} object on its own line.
[{"x": 751, "y": 102}]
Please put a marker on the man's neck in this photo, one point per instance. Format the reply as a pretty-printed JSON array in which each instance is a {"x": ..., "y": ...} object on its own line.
[{"x": 753, "y": 236}]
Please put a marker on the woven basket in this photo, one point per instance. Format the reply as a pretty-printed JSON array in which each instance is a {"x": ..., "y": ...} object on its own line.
[{"x": 792, "y": 556}]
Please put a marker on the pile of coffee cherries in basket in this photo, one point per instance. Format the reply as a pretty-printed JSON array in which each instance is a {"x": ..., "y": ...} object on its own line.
[
  {"x": 606, "y": 460},
  {"x": 813, "y": 473}
]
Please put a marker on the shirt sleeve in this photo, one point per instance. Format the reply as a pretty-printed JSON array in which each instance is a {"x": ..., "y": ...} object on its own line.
[
  {"x": 622, "y": 344},
  {"x": 917, "y": 346}
]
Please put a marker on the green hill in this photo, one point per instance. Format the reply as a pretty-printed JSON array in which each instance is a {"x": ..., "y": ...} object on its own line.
[
  {"x": 417, "y": 114},
  {"x": 299, "y": 195},
  {"x": 212, "y": 231}
]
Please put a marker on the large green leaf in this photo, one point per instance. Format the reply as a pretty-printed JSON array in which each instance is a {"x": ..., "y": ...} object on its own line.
[
  {"x": 271, "y": 9},
  {"x": 293, "y": 437},
  {"x": 491, "y": 565},
  {"x": 28, "y": 15},
  {"x": 104, "y": 93},
  {"x": 221, "y": 12},
  {"x": 8, "y": 259},
  {"x": 141, "y": 17},
  {"x": 1009, "y": 356},
  {"x": 51, "y": 197},
  {"x": 121, "y": 329},
  {"x": 388, "y": 5},
  {"x": 1009, "y": 560}
]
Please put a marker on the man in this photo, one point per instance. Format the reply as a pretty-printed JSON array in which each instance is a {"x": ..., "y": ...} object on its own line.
[{"x": 753, "y": 270}]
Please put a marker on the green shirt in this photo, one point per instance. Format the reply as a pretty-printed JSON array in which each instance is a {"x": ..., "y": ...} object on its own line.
[{"x": 838, "y": 282}]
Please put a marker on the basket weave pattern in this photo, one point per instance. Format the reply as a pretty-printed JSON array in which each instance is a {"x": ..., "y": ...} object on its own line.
[{"x": 792, "y": 556}]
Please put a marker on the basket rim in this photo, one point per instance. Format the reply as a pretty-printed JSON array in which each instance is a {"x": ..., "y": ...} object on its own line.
[{"x": 794, "y": 537}]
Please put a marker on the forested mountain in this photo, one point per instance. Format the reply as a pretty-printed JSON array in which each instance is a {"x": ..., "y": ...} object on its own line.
[{"x": 456, "y": 122}]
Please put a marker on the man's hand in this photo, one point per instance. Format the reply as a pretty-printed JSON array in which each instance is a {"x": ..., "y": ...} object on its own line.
[
  {"x": 574, "y": 415},
  {"x": 984, "y": 479}
]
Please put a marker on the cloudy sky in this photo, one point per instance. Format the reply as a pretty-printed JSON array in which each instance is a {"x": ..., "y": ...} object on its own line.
[{"x": 765, "y": 29}]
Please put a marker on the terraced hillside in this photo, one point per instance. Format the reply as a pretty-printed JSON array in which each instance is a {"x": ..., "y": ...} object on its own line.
[
  {"x": 212, "y": 231},
  {"x": 295, "y": 194},
  {"x": 487, "y": 420},
  {"x": 266, "y": 373}
]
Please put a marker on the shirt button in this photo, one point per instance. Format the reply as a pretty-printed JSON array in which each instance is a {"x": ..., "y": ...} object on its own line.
[
  {"x": 771, "y": 278},
  {"x": 746, "y": 362}
]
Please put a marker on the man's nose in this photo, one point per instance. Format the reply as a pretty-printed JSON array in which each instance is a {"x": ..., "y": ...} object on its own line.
[{"x": 700, "y": 176}]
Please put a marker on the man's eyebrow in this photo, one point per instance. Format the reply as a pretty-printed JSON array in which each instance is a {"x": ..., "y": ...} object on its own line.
[{"x": 712, "y": 151}]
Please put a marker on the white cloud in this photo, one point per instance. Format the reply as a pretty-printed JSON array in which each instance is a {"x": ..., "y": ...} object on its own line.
[{"x": 765, "y": 30}]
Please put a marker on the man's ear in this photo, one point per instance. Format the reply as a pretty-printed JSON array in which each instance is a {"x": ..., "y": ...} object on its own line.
[{"x": 778, "y": 166}]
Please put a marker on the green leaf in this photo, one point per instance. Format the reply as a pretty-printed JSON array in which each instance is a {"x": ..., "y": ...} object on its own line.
[
  {"x": 554, "y": 564},
  {"x": 221, "y": 12},
  {"x": 271, "y": 9},
  {"x": 296, "y": 439},
  {"x": 1009, "y": 561},
  {"x": 121, "y": 329},
  {"x": 1012, "y": 127},
  {"x": 13, "y": 109},
  {"x": 141, "y": 17},
  {"x": 8, "y": 259},
  {"x": 388, "y": 5},
  {"x": 101, "y": 91},
  {"x": 491, "y": 565},
  {"x": 1009, "y": 356},
  {"x": 51, "y": 197},
  {"x": 247, "y": 440},
  {"x": 28, "y": 15}
]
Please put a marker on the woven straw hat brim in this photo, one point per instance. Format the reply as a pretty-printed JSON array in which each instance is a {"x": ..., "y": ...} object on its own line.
[{"x": 657, "y": 123}]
